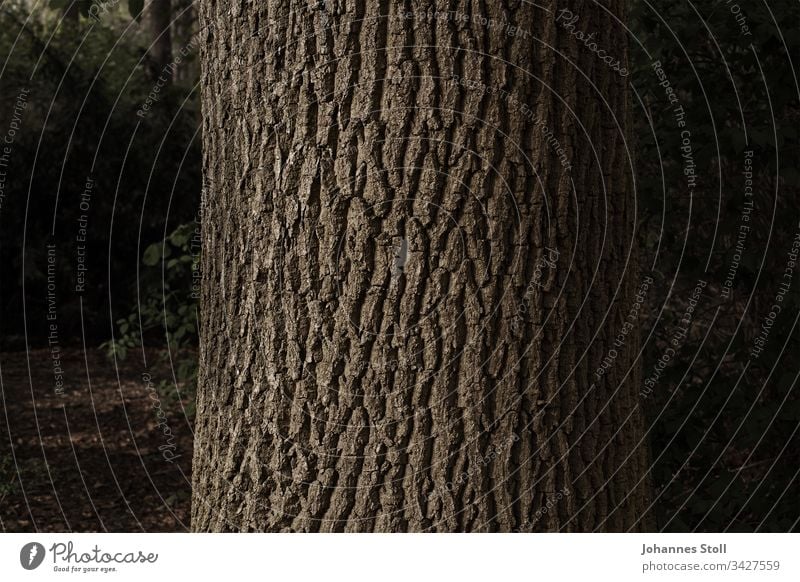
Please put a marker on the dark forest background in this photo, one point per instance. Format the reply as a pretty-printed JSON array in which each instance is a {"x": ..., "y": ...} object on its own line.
[{"x": 724, "y": 438}]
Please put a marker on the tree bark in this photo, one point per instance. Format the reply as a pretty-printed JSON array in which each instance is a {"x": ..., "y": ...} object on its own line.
[{"x": 418, "y": 236}]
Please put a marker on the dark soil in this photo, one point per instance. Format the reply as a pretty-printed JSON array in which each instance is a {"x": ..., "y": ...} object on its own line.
[{"x": 89, "y": 459}]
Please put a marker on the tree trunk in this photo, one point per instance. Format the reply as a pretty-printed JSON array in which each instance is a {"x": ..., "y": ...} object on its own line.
[
  {"x": 184, "y": 27},
  {"x": 161, "y": 35},
  {"x": 417, "y": 240},
  {"x": 71, "y": 13}
]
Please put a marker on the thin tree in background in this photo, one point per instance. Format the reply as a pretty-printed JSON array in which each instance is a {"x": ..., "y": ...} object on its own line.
[{"x": 160, "y": 16}]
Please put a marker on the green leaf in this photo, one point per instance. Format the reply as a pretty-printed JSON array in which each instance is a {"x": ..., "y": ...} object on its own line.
[
  {"x": 180, "y": 236},
  {"x": 152, "y": 255}
]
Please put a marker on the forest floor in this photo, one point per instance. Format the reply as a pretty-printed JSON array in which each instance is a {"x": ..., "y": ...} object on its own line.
[{"x": 94, "y": 454}]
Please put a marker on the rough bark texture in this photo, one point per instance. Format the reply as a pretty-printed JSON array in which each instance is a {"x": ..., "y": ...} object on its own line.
[{"x": 387, "y": 342}]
